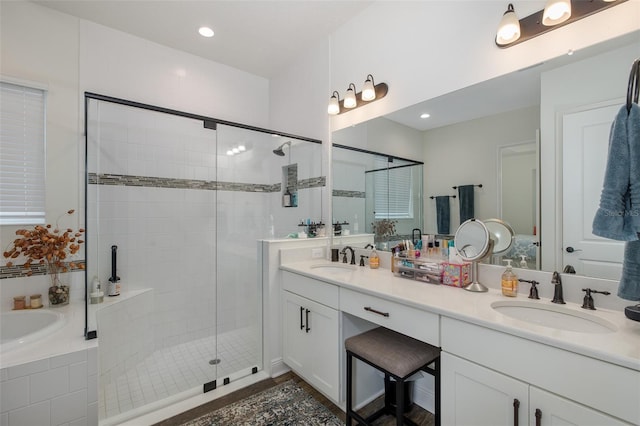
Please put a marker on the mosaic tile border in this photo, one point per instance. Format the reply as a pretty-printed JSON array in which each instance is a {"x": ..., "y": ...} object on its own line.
[
  {"x": 18, "y": 271},
  {"x": 348, "y": 194},
  {"x": 160, "y": 182}
]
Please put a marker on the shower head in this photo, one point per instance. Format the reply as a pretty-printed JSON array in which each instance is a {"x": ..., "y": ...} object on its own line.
[{"x": 280, "y": 150}]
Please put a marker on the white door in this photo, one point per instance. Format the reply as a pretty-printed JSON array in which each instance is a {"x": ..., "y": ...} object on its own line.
[
  {"x": 473, "y": 395},
  {"x": 585, "y": 142}
]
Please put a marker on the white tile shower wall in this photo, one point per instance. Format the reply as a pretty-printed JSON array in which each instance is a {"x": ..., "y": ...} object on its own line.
[
  {"x": 124, "y": 335},
  {"x": 61, "y": 390}
]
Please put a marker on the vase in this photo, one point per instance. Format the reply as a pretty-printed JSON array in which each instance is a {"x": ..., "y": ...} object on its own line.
[{"x": 58, "y": 293}]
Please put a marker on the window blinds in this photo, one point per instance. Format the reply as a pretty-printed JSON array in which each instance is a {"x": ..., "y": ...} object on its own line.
[
  {"x": 393, "y": 194},
  {"x": 22, "y": 155}
]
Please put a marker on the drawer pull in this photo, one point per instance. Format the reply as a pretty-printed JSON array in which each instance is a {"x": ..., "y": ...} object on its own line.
[
  {"x": 516, "y": 406},
  {"x": 370, "y": 309},
  {"x": 301, "y": 313},
  {"x": 307, "y": 329},
  {"x": 538, "y": 417}
]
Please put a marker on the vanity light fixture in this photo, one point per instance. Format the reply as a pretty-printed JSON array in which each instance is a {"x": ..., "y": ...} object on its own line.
[
  {"x": 556, "y": 14},
  {"x": 370, "y": 92}
]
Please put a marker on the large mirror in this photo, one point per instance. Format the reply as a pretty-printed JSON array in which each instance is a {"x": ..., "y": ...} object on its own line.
[
  {"x": 376, "y": 194},
  {"x": 510, "y": 135}
]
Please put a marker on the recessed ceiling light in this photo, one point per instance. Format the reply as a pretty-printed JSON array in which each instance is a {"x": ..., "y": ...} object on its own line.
[
  {"x": 206, "y": 32},
  {"x": 425, "y": 115}
]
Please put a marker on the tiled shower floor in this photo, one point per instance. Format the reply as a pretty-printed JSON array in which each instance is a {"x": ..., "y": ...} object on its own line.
[{"x": 169, "y": 371}]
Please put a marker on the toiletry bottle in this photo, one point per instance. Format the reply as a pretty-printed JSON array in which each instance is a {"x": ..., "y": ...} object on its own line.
[
  {"x": 356, "y": 227},
  {"x": 374, "y": 259},
  {"x": 509, "y": 281},
  {"x": 523, "y": 262},
  {"x": 286, "y": 199}
]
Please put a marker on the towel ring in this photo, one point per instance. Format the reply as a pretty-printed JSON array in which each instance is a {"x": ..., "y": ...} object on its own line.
[{"x": 633, "y": 88}]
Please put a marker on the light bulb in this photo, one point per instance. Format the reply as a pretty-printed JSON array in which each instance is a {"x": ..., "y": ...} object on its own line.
[
  {"x": 368, "y": 91},
  {"x": 241, "y": 148},
  {"x": 350, "y": 97},
  {"x": 509, "y": 28},
  {"x": 334, "y": 104},
  {"x": 556, "y": 12},
  {"x": 229, "y": 152}
]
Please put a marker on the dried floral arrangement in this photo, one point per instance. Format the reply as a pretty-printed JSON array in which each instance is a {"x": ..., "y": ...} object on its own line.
[
  {"x": 384, "y": 228},
  {"x": 49, "y": 246}
]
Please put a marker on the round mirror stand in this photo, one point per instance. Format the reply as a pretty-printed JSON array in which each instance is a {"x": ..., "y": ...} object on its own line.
[{"x": 476, "y": 240}]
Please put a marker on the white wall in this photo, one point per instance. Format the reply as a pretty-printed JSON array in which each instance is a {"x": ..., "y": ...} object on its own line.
[
  {"x": 467, "y": 153},
  {"x": 567, "y": 89}
]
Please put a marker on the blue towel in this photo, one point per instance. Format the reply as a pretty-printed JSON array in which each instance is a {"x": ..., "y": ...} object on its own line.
[
  {"x": 465, "y": 193},
  {"x": 443, "y": 214},
  {"x": 618, "y": 216},
  {"x": 629, "y": 287}
]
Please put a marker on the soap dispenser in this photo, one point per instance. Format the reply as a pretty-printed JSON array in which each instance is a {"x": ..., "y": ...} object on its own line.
[
  {"x": 523, "y": 262},
  {"x": 509, "y": 281},
  {"x": 374, "y": 259}
]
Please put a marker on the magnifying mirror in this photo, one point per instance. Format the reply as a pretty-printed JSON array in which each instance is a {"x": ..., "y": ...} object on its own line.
[
  {"x": 502, "y": 235},
  {"x": 473, "y": 243}
]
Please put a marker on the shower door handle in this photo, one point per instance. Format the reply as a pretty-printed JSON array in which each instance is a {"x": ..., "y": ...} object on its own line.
[
  {"x": 308, "y": 328},
  {"x": 301, "y": 313}
]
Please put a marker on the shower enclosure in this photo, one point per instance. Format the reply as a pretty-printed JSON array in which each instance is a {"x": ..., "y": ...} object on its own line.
[{"x": 183, "y": 199}]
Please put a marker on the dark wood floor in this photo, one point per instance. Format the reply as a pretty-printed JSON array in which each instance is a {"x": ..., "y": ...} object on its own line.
[{"x": 417, "y": 414}]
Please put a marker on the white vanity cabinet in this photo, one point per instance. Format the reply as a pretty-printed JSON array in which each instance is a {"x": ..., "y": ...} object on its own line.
[
  {"x": 311, "y": 332},
  {"x": 475, "y": 395},
  {"x": 484, "y": 371}
]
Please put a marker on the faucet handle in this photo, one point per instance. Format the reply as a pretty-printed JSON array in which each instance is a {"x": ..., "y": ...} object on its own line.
[
  {"x": 587, "y": 302},
  {"x": 533, "y": 292}
]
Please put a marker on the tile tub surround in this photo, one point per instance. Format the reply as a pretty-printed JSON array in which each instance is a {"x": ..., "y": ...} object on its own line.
[{"x": 54, "y": 380}]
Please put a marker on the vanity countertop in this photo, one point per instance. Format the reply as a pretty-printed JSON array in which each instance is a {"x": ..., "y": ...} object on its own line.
[{"x": 621, "y": 347}]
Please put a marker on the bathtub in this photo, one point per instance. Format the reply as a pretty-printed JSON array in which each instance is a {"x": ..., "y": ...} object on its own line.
[{"x": 18, "y": 328}]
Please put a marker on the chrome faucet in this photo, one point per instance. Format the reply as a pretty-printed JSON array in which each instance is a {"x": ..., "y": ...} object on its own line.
[
  {"x": 353, "y": 255},
  {"x": 557, "y": 292}
]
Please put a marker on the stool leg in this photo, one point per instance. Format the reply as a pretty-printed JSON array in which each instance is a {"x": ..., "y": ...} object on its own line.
[
  {"x": 399, "y": 402},
  {"x": 437, "y": 391},
  {"x": 349, "y": 385},
  {"x": 388, "y": 403}
]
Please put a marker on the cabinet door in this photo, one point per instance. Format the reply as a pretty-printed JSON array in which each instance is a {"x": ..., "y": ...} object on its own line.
[
  {"x": 557, "y": 411},
  {"x": 323, "y": 344},
  {"x": 294, "y": 337},
  {"x": 311, "y": 343},
  {"x": 476, "y": 396}
]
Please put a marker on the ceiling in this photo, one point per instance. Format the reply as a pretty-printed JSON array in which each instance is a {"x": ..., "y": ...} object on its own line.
[{"x": 257, "y": 36}]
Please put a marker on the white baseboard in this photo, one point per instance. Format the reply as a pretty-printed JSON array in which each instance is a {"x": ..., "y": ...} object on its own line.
[
  {"x": 278, "y": 367},
  {"x": 423, "y": 393}
]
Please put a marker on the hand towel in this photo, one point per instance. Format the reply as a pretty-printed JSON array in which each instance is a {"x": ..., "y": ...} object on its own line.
[
  {"x": 465, "y": 194},
  {"x": 629, "y": 287},
  {"x": 618, "y": 216},
  {"x": 443, "y": 214}
]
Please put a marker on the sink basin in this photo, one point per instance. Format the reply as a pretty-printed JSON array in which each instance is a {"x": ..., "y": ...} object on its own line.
[
  {"x": 334, "y": 268},
  {"x": 554, "y": 316}
]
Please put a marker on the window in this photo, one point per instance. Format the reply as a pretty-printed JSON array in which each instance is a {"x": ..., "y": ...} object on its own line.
[
  {"x": 22, "y": 155},
  {"x": 393, "y": 190}
]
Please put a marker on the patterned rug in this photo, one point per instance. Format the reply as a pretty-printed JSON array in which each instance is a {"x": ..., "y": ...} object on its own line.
[{"x": 286, "y": 404}]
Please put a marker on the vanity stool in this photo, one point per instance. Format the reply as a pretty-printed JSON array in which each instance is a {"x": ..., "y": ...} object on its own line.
[{"x": 398, "y": 357}]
